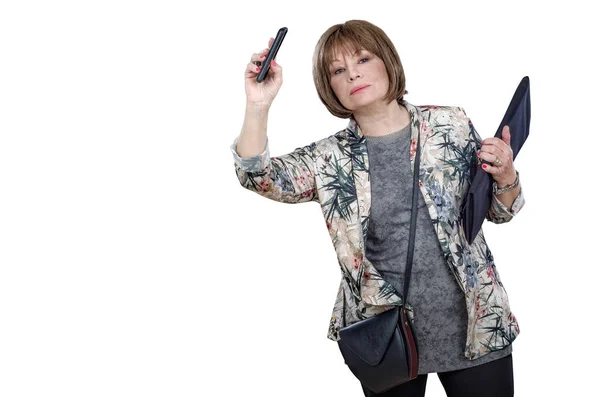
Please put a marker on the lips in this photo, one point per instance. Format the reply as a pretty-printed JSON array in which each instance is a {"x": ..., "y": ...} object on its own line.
[{"x": 355, "y": 89}]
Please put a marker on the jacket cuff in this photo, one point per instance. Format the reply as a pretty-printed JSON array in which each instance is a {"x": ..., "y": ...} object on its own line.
[
  {"x": 254, "y": 163},
  {"x": 501, "y": 211}
]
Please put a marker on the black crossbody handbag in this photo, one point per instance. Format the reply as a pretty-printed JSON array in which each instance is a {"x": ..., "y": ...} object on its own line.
[{"x": 381, "y": 351}]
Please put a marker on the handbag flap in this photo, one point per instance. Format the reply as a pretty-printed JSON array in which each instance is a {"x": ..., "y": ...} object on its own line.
[{"x": 369, "y": 338}]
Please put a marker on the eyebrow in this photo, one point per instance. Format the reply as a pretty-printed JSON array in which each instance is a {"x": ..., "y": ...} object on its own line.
[{"x": 355, "y": 52}]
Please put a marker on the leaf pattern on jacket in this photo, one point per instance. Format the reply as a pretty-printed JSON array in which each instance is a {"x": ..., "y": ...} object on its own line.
[{"x": 335, "y": 173}]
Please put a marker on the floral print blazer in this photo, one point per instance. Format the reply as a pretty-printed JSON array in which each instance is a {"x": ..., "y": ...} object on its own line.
[{"x": 335, "y": 173}]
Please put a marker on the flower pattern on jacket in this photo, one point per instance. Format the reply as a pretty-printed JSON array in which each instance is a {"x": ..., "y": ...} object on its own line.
[{"x": 335, "y": 173}]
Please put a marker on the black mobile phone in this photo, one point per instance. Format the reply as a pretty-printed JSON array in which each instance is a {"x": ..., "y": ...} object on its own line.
[{"x": 266, "y": 64}]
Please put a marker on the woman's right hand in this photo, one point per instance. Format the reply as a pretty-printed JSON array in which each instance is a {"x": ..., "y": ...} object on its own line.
[{"x": 262, "y": 94}]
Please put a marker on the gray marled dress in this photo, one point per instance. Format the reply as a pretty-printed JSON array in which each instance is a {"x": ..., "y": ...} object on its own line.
[{"x": 439, "y": 303}]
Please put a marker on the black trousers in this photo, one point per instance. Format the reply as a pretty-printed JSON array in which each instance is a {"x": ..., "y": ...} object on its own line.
[{"x": 493, "y": 379}]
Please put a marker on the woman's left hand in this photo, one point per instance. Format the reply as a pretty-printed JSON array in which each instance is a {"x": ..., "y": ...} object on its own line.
[{"x": 499, "y": 153}]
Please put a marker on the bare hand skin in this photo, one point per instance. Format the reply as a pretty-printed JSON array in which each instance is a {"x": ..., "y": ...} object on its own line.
[
  {"x": 505, "y": 174},
  {"x": 262, "y": 94},
  {"x": 259, "y": 97}
]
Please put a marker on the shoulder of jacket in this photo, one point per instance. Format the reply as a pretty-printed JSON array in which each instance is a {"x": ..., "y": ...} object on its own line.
[
  {"x": 440, "y": 109},
  {"x": 327, "y": 144},
  {"x": 455, "y": 115}
]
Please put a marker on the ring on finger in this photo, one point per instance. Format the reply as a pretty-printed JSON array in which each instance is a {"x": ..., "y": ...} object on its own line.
[
  {"x": 257, "y": 63},
  {"x": 498, "y": 162}
]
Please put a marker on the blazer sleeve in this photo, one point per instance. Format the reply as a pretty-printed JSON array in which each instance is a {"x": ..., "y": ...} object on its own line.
[
  {"x": 498, "y": 212},
  {"x": 289, "y": 178}
]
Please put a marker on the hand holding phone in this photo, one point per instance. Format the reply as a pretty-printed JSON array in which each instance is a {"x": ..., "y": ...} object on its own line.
[{"x": 272, "y": 54}]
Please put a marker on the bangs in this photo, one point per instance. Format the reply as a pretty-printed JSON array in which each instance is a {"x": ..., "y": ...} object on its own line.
[{"x": 341, "y": 43}]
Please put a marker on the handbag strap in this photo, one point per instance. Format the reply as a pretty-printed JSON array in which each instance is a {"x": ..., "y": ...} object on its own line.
[{"x": 413, "y": 222}]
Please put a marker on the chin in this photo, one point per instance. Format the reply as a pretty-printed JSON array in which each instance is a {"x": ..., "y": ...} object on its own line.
[{"x": 364, "y": 102}]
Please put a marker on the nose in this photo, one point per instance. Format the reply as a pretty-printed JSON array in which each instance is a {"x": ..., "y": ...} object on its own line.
[
  {"x": 353, "y": 74},
  {"x": 356, "y": 75}
]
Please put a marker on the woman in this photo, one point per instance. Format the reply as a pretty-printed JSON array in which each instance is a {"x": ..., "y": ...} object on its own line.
[{"x": 362, "y": 178}]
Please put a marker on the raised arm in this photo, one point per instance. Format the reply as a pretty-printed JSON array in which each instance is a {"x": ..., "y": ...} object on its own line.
[{"x": 289, "y": 178}]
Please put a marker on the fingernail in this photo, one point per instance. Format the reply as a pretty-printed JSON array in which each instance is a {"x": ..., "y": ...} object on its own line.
[
  {"x": 484, "y": 166},
  {"x": 478, "y": 154},
  {"x": 274, "y": 63},
  {"x": 262, "y": 56},
  {"x": 257, "y": 69}
]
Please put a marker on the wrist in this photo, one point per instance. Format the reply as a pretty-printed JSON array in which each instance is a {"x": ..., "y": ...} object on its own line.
[
  {"x": 257, "y": 108},
  {"x": 503, "y": 184},
  {"x": 503, "y": 189}
]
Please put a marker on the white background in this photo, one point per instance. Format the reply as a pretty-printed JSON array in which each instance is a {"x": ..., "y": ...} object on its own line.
[{"x": 132, "y": 262}]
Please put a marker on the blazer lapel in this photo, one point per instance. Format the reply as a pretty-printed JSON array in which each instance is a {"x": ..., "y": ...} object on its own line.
[
  {"x": 421, "y": 125},
  {"x": 373, "y": 289}
]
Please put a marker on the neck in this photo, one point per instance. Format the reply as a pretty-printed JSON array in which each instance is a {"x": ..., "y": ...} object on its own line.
[{"x": 382, "y": 120}]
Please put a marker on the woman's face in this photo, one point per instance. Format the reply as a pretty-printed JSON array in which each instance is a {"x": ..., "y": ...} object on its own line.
[{"x": 347, "y": 72}]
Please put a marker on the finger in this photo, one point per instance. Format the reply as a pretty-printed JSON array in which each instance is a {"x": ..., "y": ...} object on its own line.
[
  {"x": 495, "y": 145},
  {"x": 491, "y": 158},
  {"x": 488, "y": 157},
  {"x": 271, "y": 41},
  {"x": 273, "y": 68},
  {"x": 275, "y": 72},
  {"x": 258, "y": 57},
  {"x": 492, "y": 149},
  {"x": 490, "y": 169},
  {"x": 506, "y": 135},
  {"x": 266, "y": 52},
  {"x": 252, "y": 69}
]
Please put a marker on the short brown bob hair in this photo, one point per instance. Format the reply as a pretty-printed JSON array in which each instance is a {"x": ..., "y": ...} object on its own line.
[{"x": 349, "y": 37}]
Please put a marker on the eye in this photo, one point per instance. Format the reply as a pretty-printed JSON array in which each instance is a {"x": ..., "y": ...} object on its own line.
[{"x": 336, "y": 72}]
